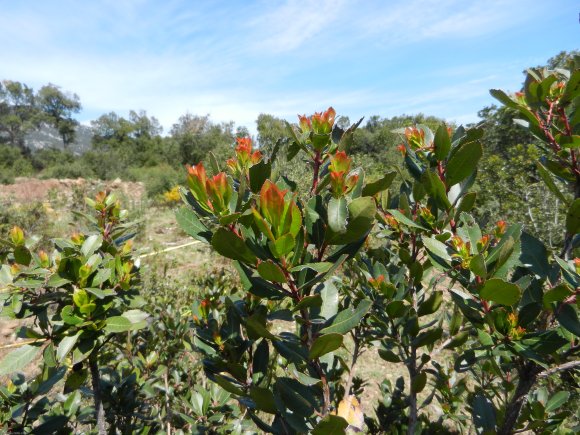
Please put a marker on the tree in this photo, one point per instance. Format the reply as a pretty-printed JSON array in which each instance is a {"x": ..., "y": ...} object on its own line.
[
  {"x": 196, "y": 136},
  {"x": 58, "y": 108},
  {"x": 270, "y": 130},
  {"x": 18, "y": 112}
]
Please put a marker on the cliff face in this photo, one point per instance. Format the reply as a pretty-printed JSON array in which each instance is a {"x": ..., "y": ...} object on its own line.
[{"x": 48, "y": 137}]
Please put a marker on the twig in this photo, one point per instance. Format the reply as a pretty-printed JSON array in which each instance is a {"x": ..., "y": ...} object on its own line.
[
  {"x": 22, "y": 343},
  {"x": 173, "y": 248},
  {"x": 566, "y": 366}
]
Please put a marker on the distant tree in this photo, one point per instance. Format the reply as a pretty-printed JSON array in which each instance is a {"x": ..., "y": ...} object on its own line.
[
  {"x": 242, "y": 131},
  {"x": 270, "y": 130},
  {"x": 18, "y": 112},
  {"x": 144, "y": 126},
  {"x": 58, "y": 108},
  {"x": 196, "y": 136},
  {"x": 110, "y": 131}
]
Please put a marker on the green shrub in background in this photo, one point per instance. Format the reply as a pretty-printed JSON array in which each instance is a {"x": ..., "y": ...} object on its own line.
[{"x": 78, "y": 298}]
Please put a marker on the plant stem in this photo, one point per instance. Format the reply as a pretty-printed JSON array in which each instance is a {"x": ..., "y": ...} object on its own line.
[
  {"x": 412, "y": 367},
  {"x": 99, "y": 410},
  {"x": 528, "y": 375},
  {"x": 317, "y": 162}
]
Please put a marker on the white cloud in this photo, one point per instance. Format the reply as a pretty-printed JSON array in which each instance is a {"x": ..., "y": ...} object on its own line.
[{"x": 289, "y": 26}]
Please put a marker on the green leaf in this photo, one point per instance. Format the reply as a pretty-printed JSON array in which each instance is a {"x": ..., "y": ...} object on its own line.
[
  {"x": 118, "y": 324},
  {"x": 309, "y": 301},
  {"x": 283, "y": 245},
  {"x": 389, "y": 356},
  {"x": 466, "y": 203},
  {"x": 484, "y": 338},
  {"x": 337, "y": 214},
  {"x": 317, "y": 267},
  {"x": 483, "y": 414},
  {"x": 271, "y": 271},
  {"x": 568, "y": 318},
  {"x": 437, "y": 248},
  {"x": 264, "y": 399},
  {"x": 557, "y": 400},
  {"x": 231, "y": 246},
  {"x": 331, "y": 424},
  {"x": 347, "y": 319},
  {"x": 65, "y": 346},
  {"x": 534, "y": 255},
  {"x": 135, "y": 316},
  {"x": 18, "y": 359},
  {"x": 401, "y": 218},
  {"x": 215, "y": 167},
  {"x": 190, "y": 223},
  {"x": 325, "y": 344},
  {"x": 435, "y": 188},
  {"x": 419, "y": 382},
  {"x": 259, "y": 173},
  {"x": 91, "y": 244},
  {"x": 463, "y": 162},
  {"x": 22, "y": 255},
  {"x": 457, "y": 340},
  {"x": 477, "y": 265},
  {"x": 255, "y": 324},
  {"x": 573, "y": 218},
  {"x": 430, "y": 305},
  {"x": 68, "y": 316},
  {"x": 501, "y": 292},
  {"x": 226, "y": 384},
  {"x": 557, "y": 294},
  {"x": 297, "y": 397},
  {"x": 371, "y": 189},
  {"x": 550, "y": 183},
  {"x": 395, "y": 309},
  {"x": 442, "y": 142},
  {"x": 361, "y": 212},
  {"x": 428, "y": 337}
]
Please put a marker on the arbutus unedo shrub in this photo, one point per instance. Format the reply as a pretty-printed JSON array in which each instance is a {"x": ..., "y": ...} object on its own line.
[{"x": 484, "y": 324}]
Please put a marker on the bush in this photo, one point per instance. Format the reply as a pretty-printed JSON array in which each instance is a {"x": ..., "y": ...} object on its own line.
[{"x": 157, "y": 179}]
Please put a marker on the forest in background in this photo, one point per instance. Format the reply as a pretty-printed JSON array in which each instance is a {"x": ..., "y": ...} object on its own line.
[{"x": 135, "y": 148}]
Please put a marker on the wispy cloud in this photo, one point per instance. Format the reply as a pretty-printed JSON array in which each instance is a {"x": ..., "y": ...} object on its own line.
[{"x": 235, "y": 60}]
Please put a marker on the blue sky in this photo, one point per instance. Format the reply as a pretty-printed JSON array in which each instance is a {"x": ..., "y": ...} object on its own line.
[{"x": 237, "y": 59}]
